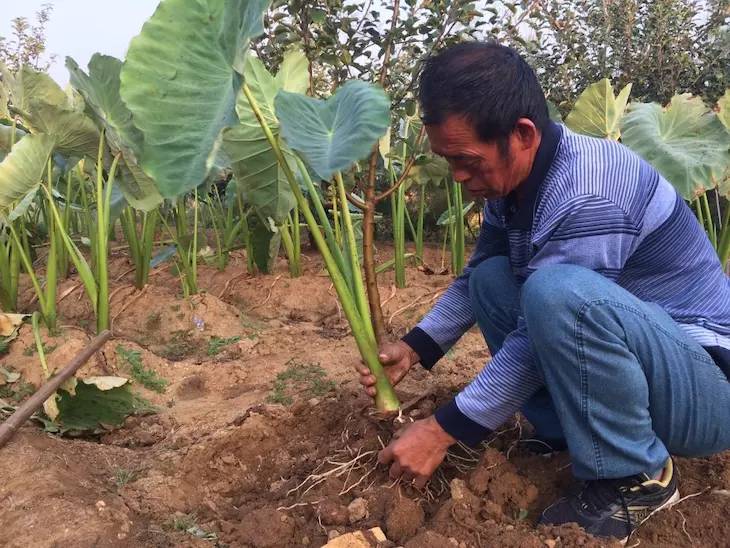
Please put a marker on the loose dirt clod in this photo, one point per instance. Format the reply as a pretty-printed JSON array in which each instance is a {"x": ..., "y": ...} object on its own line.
[
  {"x": 357, "y": 510},
  {"x": 403, "y": 519}
]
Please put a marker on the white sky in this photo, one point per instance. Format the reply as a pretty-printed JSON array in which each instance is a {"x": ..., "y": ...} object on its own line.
[{"x": 80, "y": 28}]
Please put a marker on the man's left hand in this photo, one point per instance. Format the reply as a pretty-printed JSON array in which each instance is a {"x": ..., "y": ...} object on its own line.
[{"x": 416, "y": 451}]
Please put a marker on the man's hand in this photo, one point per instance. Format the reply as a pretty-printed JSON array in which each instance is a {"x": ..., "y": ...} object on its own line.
[
  {"x": 416, "y": 451},
  {"x": 397, "y": 358}
]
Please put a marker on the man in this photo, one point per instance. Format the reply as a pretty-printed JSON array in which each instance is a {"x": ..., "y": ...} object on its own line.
[{"x": 604, "y": 306}]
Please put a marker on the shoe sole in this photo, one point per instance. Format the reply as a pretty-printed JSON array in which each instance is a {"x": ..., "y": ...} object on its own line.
[{"x": 671, "y": 501}]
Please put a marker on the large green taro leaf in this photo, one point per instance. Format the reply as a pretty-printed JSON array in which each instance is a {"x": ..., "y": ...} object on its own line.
[
  {"x": 23, "y": 169},
  {"x": 723, "y": 114},
  {"x": 100, "y": 89},
  {"x": 29, "y": 86},
  {"x": 180, "y": 81},
  {"x": 73, "y": 132},
  {"x": 597, "y": 112},
  {"x": 46, "y": 108},
  {"x": 333, "y": 134},
  {"x": 685, "y": 142},
  {"x": 258, "y": 174},
  {"x": 6, "y": 137}
]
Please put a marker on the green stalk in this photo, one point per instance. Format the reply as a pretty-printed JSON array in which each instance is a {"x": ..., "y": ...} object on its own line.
[
  {"x": 194, "y": 258},
  {"x": 129, "y": 228},
  {"x": 52, "y": 260},
  {"x": 322, "y": 215},
  {"x": 219, "y": 251},
  {"x": 82, "y": 266},
  {"x": 103, "y": 195},
  {"x": 149, "y": 227},
  {"x": 335, "y": 216},
  {"x": 296, "y": 235},
  {"x": 361, "y": 296},
  {"x": 39, "y": 346},
  {"x": 385, "y": 400},
  {"x": 723, "y": 249},
  {"x": 709, "y": 224},
  {"x": 286, "y": 239},
  {"x": 458, "y": 230},
  {"x": 397, "y": 200},
  {"x": 450, "y": 226},
  {"x": 419, "y": 224}
]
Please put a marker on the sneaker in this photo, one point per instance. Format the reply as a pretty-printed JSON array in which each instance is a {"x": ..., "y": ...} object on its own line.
[{"x": 615, "y": 507}]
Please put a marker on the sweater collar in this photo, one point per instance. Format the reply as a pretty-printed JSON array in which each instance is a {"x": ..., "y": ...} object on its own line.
[{"x": 520, "y": 216}]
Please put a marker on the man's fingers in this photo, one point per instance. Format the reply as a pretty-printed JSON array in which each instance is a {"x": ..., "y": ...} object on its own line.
[
  {"x": 367, "y": 380},
  {"x": 363, "y": 369},
  {"x": 421, "y": 481},
  {"x": 395, "y": 471},
  {"x": 385, "y": 455},
  {"x": 371, "y": 391}
]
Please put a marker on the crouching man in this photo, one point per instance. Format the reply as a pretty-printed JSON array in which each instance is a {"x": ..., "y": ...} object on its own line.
[{"x": 603, "y": 304}]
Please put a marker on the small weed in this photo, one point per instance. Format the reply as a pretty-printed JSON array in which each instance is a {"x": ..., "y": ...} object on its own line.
[
  {"x": 217, "y": 344},
  {"x": 187, "y": 523},
  {"x": 122, "y": 477},
  {"x": 4, "y": 346},
  {"x": 144, "y": 376},
  {"x": 16, "y": 391},
  {"x": 153, "y": 322},
  {"x": 184, "y": 522},
  {"x": 30, "y": 350},
  {"x": 308, "y": 380},
  {"x": 181, "y": 345}
]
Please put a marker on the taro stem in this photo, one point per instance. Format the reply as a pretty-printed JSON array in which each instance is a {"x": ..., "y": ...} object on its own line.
[{"x": 385, "y": 400}]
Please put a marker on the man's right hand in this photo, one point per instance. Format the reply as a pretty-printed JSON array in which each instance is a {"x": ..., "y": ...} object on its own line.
[{"x": 397, "y": 358}]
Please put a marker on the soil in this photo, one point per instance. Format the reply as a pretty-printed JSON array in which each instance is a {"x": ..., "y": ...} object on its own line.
[{"x": 263, "y": 438}]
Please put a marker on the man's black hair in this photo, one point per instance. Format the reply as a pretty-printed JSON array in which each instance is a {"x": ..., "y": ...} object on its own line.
[{"x": 487, "y": 83}]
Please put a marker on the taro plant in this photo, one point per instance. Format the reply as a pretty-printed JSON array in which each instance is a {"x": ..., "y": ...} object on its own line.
[
  {"x": 330, "y": 135},
  {"x": 687, "y": 142}
]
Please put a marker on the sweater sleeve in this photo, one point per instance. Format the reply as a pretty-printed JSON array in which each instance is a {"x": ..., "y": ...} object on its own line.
[
  {"x": 596, "y": 235},
  {"x": 452, "y": 315}
]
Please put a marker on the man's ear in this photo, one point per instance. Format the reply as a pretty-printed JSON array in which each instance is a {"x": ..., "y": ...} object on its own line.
[{"x": 526, "y": 134}]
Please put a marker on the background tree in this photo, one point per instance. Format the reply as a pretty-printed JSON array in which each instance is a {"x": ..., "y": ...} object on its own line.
[{"x": 27, "y": 45}]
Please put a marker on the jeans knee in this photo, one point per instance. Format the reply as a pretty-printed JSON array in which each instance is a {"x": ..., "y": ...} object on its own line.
[
  {"x": 554, "y": 289},
  {"x": 488, "y": 277}
]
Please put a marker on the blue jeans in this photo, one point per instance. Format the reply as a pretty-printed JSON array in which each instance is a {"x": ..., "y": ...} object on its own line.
[{"x": 624, "y": 385}]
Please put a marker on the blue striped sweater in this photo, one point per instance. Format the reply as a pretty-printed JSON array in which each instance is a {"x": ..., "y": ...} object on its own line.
[{"x": 594, "y": 203}]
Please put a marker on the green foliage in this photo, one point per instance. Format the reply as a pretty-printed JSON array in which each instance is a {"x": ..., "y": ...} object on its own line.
[
  {"x": 94, "y": 407},
  {"x": 217, "y": 344},
  {"x": 143, "y": 375},
  {"x": 23, "y": 169},
  {"x": 258, "y": 175},
  {"x": 663, "y": 47},
  {"x": 300, "y": 380},
  {"x": 48, "y": 349},
  {"x": 27, "y": 45},
  {"x": 331, "y": 135},
  {"x": 180, "y": 346},
  {"x": 685, "y": 142},
  {"x": 597, "y": 112},
  {"x": 100, "y": 89},
  {"x": 265, "y": 243},
  {"x": 180, "y": 80},
  {"x": 123, "y": 476}
]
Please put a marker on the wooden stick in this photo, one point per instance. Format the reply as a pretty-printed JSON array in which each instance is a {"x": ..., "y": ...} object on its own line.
[{"x": 32, "y": 404}]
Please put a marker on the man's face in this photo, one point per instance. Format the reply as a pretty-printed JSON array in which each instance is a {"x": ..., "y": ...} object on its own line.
[{"x": 482, "y": 167}]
